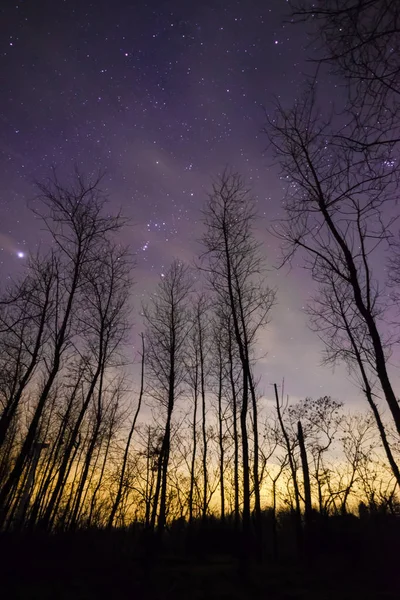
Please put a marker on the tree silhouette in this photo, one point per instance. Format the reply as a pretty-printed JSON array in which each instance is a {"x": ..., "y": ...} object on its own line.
[
  {"x": 335, "y": 216},
  {"x": 234, "y": 269},
  {"x": 167, "y": 325}
]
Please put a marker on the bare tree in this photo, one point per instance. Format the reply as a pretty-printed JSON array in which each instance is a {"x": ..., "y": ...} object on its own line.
[
  {"x": 335, "y": 216},
  {"x": 104, "y": 323},
  {"x": 24, "y": 316},
  {"x": 320, "y": 420},
  {"x": 195, "y": 380},
  {"x": 202, "y": 331},
  {"x": 232, "y": 375},
  {"x": 345, "y": 338},
  {"x": 73, "y": 216},
  {"x": 167, "y": 326},
  {"x": 114, "y": 424},
  {"x": 220, "y": 379},
  {"x": 357, "y": 434},
  {"x": 235, "y": 271}
]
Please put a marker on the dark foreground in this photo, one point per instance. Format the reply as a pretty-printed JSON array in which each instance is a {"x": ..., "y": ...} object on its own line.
[{"x": 121, "y": 565}]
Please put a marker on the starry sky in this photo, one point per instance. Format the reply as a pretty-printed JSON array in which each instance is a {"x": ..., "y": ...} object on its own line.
[{"x": 162, "y": 95}]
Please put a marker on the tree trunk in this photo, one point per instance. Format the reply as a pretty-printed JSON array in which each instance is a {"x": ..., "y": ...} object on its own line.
[
  {"x": 245, "y": 455},
  {"x": 128, "y": 443},
  {"x": 82, "y": 481},
  {"x": 194, "y": 446},
  {"x": 306, "y": 474},
  {"x": 299, "y": 533},
  {"x": 99, "y": 482},
  {"x": 221, "y": 442},
  {"x": 12, "y": 406},
  {"x": 235, "y": 436},
  {"x": 164, "y": 475},
  {"x": 256, "y": 474},
  {"x": 68, "y": 451},
  {"x": 30, "y": 437},
  {"x": 203, "y": 420}
]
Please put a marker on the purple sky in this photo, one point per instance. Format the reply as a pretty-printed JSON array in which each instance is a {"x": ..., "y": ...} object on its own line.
[{"x": 162, "y": 95}]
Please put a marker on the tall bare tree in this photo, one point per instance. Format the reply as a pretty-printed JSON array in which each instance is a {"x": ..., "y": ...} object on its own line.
[
  {"x": 320, "y": 422},
  {"x": 220, "y": 379},
  {"x": 24, "y": 316},
  {"x": 203, "y": 339},
  {"x": 338, "y": 212},
  {"x": 235, "y": 271},
  {"x": 345, "y": 339},
  {"x": 167, "y": 323},
  {"x": 73, "y": 215},
  {"x": 104, "y": 324}
]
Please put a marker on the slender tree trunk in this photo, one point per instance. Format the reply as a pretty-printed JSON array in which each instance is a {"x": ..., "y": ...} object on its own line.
[
  {"x": 82, "y": 481},
  {"x": 256, "y": 474},
  {"x": 12, "y": 406},
  {"x": 370, "y": 400},
  {"x": 221, "y": 441},
  {"x": 64, "y": 521},
  {"x": 164, "y": 473},
  {"x": 30, "y": 437},
  {"x": 53, "y": 457},
  {"x": 203, "y": 418},
  {"x": 194, "y": 446},
  {"x": 275, "y": 548},
  {"x": 379, "y": 354},
  {"x": 100, "y": 480},
  {"x": 128, "y": 443},
  {"x": 149, "y": 481},
  {"x": 383, "y": 436},
  {"x": 64, "y": 464},
  {"x": 6, "y": 459},
  {"x": 306, "y": 474},
  {"x": 245, "y": 391},
  {"x": 89, "y": 455},
  {"x": 86, "y": 490},
  {"x": 245, "y": 455},
  {"x": 299, "y": 533},
  {"x": 157, "y": 490},
  {"x": 72, "y": 454},
  {"x": 235, "y": 436},
  {"x": 43, "y": 487}
]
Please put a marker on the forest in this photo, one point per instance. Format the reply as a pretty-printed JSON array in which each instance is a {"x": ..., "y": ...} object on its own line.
[{"x": 180, "y": 457}]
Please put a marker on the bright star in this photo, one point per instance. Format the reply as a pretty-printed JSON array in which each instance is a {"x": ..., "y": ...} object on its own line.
[{"x": 21, "y": 254}]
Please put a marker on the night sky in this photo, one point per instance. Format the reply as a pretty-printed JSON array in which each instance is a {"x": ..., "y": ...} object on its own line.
[{"x": 162, "y": 95}]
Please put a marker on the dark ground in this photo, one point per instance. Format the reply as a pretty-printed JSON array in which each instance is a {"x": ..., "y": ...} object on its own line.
[{"x": 117, "y": 566}]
